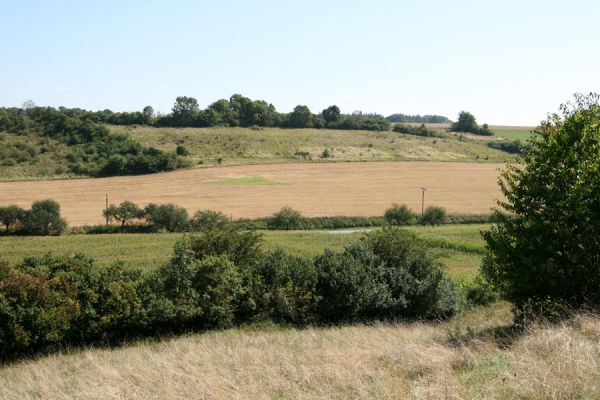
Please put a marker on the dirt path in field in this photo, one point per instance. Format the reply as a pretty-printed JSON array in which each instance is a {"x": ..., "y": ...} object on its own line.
[{"x": 260, "y": 190}]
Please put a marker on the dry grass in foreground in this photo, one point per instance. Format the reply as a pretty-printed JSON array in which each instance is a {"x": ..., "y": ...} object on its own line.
[{"x": 464, "y": 358}]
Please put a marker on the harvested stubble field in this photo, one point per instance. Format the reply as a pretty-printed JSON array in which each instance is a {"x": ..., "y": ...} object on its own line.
[
  {"x": 468, "y": 357},
  {"x": 260, "y": 190}
]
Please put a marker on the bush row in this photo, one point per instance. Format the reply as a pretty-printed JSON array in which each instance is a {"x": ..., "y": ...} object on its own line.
[
  {"x": 218, "y": 278},
  {"x": 42, "y": 219}
]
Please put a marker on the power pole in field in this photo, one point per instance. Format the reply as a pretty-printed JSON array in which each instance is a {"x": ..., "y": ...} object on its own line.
[
  {"x": 106, "y": 209},
  {"x": 423, "y": 189}
]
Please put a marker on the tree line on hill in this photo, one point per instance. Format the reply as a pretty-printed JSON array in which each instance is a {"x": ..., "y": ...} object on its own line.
[{"x": 92, "y": 149}]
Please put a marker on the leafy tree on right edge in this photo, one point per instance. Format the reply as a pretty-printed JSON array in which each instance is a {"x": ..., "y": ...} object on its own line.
[{"x": 547, "y": 251}]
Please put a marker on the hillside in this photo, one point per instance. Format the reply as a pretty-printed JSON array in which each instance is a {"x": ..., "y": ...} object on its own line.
[
  {"x": 471, "y": 356},
  {"x": 234, "y": 146}
]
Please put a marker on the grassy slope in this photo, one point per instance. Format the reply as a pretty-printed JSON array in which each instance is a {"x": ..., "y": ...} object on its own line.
[
  {"x": 268, "y": 145},
  {"x": 386, "y": 361},
  {"x": 49, "y": 160},
  {"x": 152, "y": 250}
]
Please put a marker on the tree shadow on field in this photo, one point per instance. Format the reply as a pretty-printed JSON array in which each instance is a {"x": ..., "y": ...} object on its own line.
[{"x": 502, "y": 336}]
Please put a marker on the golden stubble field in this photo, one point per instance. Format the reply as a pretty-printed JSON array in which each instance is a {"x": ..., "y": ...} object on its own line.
[{"x": 320, "y": 189}]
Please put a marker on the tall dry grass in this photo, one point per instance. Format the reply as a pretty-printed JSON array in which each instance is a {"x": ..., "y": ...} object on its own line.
[{"x": 466, "y": 358}]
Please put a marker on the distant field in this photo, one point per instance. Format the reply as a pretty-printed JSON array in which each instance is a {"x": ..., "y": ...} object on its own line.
[
  {"x": 149, "y": 251},
  {"x": 521, "y": 133},
  {"x": 240, "y": 191},
  {"x": 235, "y": 146}
]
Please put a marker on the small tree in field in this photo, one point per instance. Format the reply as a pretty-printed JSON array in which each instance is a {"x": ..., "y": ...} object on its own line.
[
  {"x": 11, "y": 216},
  {"x": 433, "y": 216},
  {"x": 124, "y": 212},
  {"x": 549, "y": 248},
  {"x": 286, "y": 219},
  {"x": 44, "y": 219},
  {"x": 169, "y": 217},
  {"x": 208, "y": 219},
  {"x": 399, "y": 214}
]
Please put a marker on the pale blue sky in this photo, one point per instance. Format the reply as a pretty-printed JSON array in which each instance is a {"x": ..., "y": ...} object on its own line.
[{"x": 508, "y": 62}]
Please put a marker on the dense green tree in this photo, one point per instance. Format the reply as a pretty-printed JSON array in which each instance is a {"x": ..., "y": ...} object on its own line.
[
  {"x": 167, "y": 217},
  {"x": 399, "y": 214},
  {"x": 301, "y": 117},
  {"x": 124, "y": 212},
  {"x": 286, "y": 219},
  {"x": 208, "y": 219},
  {"x": 433, "y": 216},
  {"x": 332, "y": 114},
  {"x": 44, "y": 219},
  {"x": 466, "y": 123},
  {"x": 185, "y": 111},
  {"x": 11, "y": 215},
  {"x": 548, "y": 246}
]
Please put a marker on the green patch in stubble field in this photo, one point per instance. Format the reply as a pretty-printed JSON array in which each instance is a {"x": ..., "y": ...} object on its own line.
[{"x": 246, "y": 180}]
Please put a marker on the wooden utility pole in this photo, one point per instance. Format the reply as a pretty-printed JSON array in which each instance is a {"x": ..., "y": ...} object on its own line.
[
  {"x": 106, "y": 209},
  {"x": 423, "y": 189}
]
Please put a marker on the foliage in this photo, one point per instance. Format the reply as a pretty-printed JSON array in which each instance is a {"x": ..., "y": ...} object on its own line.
[
  {"x": 208, "y": 219},
  {"x": 427, "y": 119},
  {"x": 433, "y": 215},
  {"x": 167, "y": 217},
  {"x": 93, "y": 150},
  {"x": 467, "y": 123},
  {"x": 331, "y": 114},
  {"x": 420, "y": 130},
  {"x": 550, "y": 248},
  {"x": 124, "y": 212},
  {"x": 512, "y": 147},
  {"x": 43, "y": 219},
  {"x": 11, "y": 216},
  {"x": 399, "y": 214},
  {"x": 286, "y": 219},
  {"x": 387, "y": 275}
]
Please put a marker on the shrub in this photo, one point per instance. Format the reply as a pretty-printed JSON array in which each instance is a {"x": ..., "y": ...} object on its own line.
[
  {"x": 208, "y": 219},
  {"x": 282, "y": 289},
  {"x": 549, "y": 249},
  {"x": 43, "y": 219},
  {"x": 415, "y": 279},
  {"x": 167, "y": 217},
  {"x": 514, "y": 147},
  {"x": 243, "y": 248},
  {"x": 326, "y": 153},
  {"x": 433, "y": 216},
  {"x": 420, "y": 130},
  {"x": 399, "y": 214},
  {"x": 181, "y": 150},
  {"x": 286, "y": 219}
]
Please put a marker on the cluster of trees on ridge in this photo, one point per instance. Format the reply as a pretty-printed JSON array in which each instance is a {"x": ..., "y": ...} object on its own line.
[{"x": 93, "y": 150}]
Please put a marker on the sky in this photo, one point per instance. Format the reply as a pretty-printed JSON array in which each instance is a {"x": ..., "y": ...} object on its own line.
[{"x": 507, "y": 62}]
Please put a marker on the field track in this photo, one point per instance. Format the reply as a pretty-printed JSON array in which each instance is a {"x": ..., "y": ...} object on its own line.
[{"x": 260, "y": 190}]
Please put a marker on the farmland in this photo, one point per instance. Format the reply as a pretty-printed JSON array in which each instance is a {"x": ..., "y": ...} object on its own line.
[
  {"x": 148, "y": 251},
  {"x": 260, "y": 190}
]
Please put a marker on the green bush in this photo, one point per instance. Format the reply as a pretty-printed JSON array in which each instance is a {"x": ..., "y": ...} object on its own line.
[
  {"x": 282, "y": 289},
  {"x": 286, "y": 219},
  {"x": 215, "y": 279},
  {"x": 433, "y": 216},
  {"x": 167, "y": 217},
  {"x": 399, "y": 214},
  {"x": 208, "y": 219}
]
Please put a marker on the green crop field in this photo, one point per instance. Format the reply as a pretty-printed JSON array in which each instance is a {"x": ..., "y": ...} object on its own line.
[
  {"x": 521, "y": 133},
  {"x": 149, "y": 251}
]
